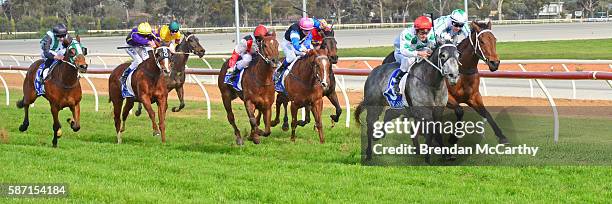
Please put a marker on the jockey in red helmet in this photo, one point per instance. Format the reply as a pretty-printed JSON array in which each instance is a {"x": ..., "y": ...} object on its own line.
[
  {"x": 416, "y": 41},
  {"x": 244, "y": 50}
]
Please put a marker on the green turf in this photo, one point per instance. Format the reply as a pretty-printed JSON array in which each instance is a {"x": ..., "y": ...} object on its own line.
[
  {"x": 200, "y": 163},
  {"x": 558, "y": 49}
]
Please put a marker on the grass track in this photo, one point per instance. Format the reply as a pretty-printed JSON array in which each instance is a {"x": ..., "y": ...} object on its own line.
[{"x": 200, "y": 164}]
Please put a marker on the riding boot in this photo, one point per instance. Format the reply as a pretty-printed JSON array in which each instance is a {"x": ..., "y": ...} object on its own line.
[
  {"x": 397, "y": 79},
  {"x": 280, "y": 70},
  {"x": 124, "y": 76},
  {"x": 48, "y": 63},
  {"x": 234, "y": 76}
]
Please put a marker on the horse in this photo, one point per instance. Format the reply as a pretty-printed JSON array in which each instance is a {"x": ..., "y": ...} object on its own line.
[
  {"x": 329, "y": 44},
  {"x": 149, "y": 85},
  {"x": 425, "y": 92},
  {"x": 176, "y": 79},
  {"x": 304, "y": 86},
  {"x": 480, "y": 45},
  {"x": 62, "y": 88},
  {"x": 257, "y": 89}
]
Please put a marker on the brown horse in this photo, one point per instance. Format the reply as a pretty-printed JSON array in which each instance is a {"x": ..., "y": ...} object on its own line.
[
  {"x": 149, "y": 85},
  {"x": 329, "y": 44},
  {"x": 257, "y": 89},
  {"x": 305, "y": 85},
  {"x": 176, "y": 79},
  {"x": 480, "y": 45},
  {"x": 62, "y": 88}
]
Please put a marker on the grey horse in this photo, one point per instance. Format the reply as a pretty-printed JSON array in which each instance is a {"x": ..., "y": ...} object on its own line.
[{"x": 425, "y": 90}]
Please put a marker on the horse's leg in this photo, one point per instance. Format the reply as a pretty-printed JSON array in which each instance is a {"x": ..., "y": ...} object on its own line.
[
  {"x": 162, "y": 107},
  {"x": 129, "y": 104},
  {"x": 278, "y": 103},
  {"x": 438, "y": 116},
  {"x": 117, "y": 104},
  {"x": 250, "y": 109},
  {"x": 28, "y": 98},
  {"x": 180, "y": 92},
  {"x": 146, "y": 102},
  {"x": 317, "y": 109},
  {"x": 285, "y": 126},
  {"x": 333, "y": 98},
  {"x": 479, "y": 107},
  {"x": 453, "y": 104},
  {"x": 294, "y": 113},
  {"x": 390, "y": 114},
  {"x": 227, "y": 103},
  {"x": 373, "y": 112},
  {"x": 138, "y": 110},
  {"x": 57, "y": 127},
  {"x": 267, "y": 116},
  {"x": 75, "y": 121},
  {"x": 307, "y": 110}
]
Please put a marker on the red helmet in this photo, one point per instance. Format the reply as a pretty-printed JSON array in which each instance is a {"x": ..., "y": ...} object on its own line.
[
  {"x": 260, "y": 31},
  {"x": 422, "y": 22}
]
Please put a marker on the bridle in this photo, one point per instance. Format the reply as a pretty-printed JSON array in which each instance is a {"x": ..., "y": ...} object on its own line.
[
  {"x": 440, "y": 62},
  {"x": 476, "y": 44}
]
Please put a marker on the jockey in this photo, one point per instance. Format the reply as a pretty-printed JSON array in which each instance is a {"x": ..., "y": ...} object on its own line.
[
  {"x": 317, "y": 34},
  {"x": 298, "y": 40},
  {"x": 169, "y": 35},
  {"x": 244, "y": 50},
  {"x": 51, "y": 44},
  {"x": 416, "y": 41},
  {"x": 140, "y": 40},
  {"x": 451, "y": 26}
]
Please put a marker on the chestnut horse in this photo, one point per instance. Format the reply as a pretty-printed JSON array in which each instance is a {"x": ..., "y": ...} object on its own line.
[
  {"x": 257, "y": 89},
  {"x": 176, "y": 79},
  {"x": 329, "y": 44},
  {"x": 149, "y": 85},
  {"x": 304, "y": 86},
  {"x": 62, "y": 88},
  {"x": 480, "y": 45}
]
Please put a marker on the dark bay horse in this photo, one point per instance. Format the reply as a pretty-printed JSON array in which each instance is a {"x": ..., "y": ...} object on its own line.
[
  {"x": 425, "y": 91},
  {"x": 329, "y": 44},
  {"x": 62, "y": 88},
  {"x": 176, "y": 79},
  {"x": 305, "y": 85},
  {"x": 149, "y": 85},
  {"x": 257, "y": 89},
  {"x": 481, "y": 45}
]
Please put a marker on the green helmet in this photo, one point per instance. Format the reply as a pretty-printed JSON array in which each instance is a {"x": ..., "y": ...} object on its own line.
[{"x": 174, "y": 26}]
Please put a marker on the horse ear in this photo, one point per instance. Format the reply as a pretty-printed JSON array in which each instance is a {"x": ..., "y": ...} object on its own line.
[
  {"x": 474, "y": 26},
  {"x": 489, "y": 25},
  {"x": 78, "y": 38}
]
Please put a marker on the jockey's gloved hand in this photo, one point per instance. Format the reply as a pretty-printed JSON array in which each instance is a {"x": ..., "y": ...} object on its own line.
[
  {"x": 303, "y": 49},
  {"x": 447, "y": 37},
  {"x": 58, "y": 57}
]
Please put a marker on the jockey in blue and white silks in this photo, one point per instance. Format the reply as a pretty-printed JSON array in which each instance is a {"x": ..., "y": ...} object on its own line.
[
  {"x": 298, "y": 40},
  {"x": 452, "y": 27},
  {"x": 51, "y": 44}
]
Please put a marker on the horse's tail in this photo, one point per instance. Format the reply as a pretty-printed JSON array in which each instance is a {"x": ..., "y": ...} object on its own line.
[
  {"x": 20, "y": 103},
  {"x": 359, "y": 110}
]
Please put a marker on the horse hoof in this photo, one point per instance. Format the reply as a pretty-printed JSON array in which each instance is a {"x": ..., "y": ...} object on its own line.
[
  {"x": 334, "y": 118},
  {"x": 175, "y": 109},
  {"x": 302, "y": 123},
  {"x": 59, "y": 133},
  {"x": 293, "y": 139},
  {"x": 255, "y": 140},
  {"x": 274, "y": 123},
  {"x": 285, "y": 127},
  {"x": 137, "y": 113},
  {"x": 239, "y": 142},
  {"x": 156, "y": 134},
  {"x": 23, "y": 127},
  {"x": 504, "y": 141}
]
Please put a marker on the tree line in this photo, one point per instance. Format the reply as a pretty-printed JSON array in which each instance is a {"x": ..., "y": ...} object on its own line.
[{"x": 39, "y": 15}]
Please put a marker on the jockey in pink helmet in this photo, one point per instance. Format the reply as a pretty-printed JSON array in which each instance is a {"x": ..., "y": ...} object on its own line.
[{"x": 298, "y": 40}]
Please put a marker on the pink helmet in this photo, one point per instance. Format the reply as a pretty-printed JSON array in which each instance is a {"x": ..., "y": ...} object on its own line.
[{"x": 306, "y": 23}]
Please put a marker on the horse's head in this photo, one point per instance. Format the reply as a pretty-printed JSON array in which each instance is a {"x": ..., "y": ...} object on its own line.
[
  {"x": 75, "y": 54},
  {"x": 322, "y": 66},
  {"x": 329, "y": 43},
  {"x": 162, "y": 56},
  {"x": 484, "y": 43},
  {"x": 191, "y": 44},
  {"x": 447, "y": 58},
  {"x": 268, "y": 49}
]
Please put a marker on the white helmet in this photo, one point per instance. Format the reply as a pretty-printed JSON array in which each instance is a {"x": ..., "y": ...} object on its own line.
[{"x": 458, "y": 16}]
